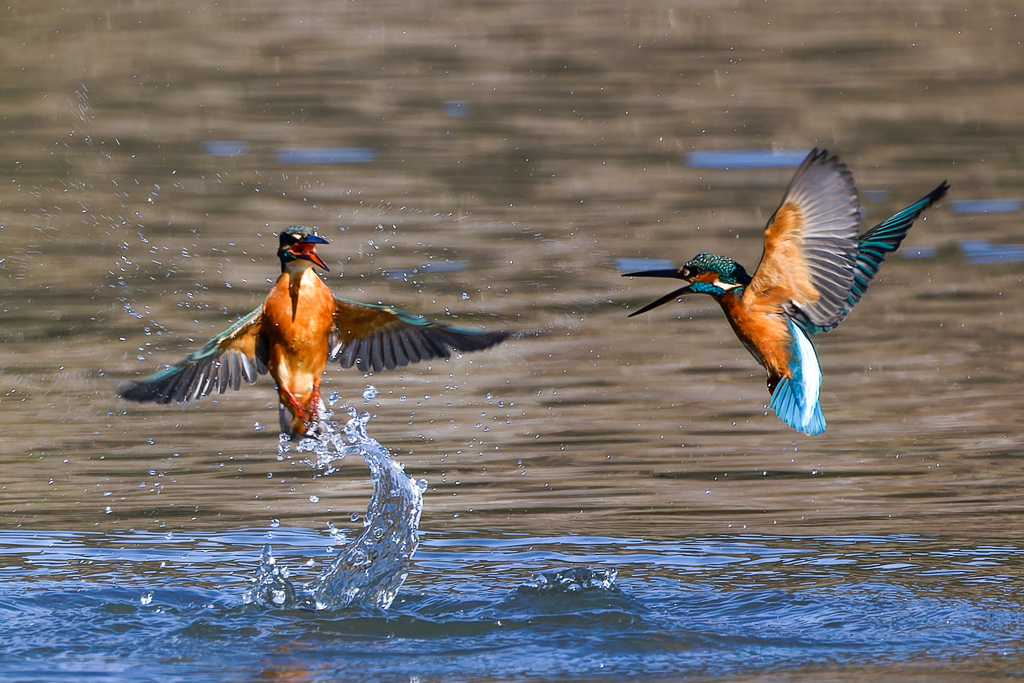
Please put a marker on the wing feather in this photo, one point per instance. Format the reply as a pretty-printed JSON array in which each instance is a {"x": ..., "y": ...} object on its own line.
[
  {"x": 373, "y": 337},
  {"x": 224, "y": 361},
  {"x": 409, "y": 345},
  {"x": 810, "y": 242}
]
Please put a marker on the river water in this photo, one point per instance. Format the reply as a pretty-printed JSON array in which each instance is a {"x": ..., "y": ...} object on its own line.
[{"x": 607, "y": 497}]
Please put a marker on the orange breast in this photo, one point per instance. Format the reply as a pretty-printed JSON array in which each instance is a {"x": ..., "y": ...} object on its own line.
[
  {"x": 297, "y": 319},
  {"x": 764, "y": 330}
]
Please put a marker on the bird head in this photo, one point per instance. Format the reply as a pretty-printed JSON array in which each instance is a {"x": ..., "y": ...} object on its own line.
[
  {"x": 703, "y": 274},
  {"x": 298, "y": 243}
]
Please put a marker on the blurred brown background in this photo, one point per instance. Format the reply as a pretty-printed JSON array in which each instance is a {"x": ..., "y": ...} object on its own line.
[{"x": 149, "y": 151}]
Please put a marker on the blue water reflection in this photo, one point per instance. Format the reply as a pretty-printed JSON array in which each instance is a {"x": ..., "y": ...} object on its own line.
[
  {"x": 745, "y": 158},
  {"x": 457, "y": 108},
  {"x": 432, "y": 267},
  {"x": 630, "y": 264},
  {"x": 224, "y": 148},
  {"x": 985, "y": 205},
  {"x": 980, "y": 251},
  {"x": 326, "y": 155}
]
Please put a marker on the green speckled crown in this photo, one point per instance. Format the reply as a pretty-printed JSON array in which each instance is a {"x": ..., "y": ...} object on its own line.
[
  {"x": 300, "y": 230},
  {"x": 728, "y": 270}
]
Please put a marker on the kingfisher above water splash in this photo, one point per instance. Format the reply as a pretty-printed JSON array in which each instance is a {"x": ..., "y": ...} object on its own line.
[
  {"x": 293, "y": 334},
  {"x": 812, "y": 273}
]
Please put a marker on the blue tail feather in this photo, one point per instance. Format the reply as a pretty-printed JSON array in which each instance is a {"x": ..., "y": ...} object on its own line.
[
  {"x": 787, "y": 404},
  {"x": 795, "y": 399}
]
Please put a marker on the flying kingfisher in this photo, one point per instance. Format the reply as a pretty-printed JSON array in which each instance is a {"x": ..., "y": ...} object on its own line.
[
  {"x": 293, "y": 334},
  {"x": 812, "y": 273}
]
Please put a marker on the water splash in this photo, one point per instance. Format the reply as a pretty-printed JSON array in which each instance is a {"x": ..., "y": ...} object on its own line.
[
  {"x": 572, "y": 580},
  {"x": 271, "y": 587},
  {"x": 573, "y": 591},
  {"x": 370, "y": 570}
]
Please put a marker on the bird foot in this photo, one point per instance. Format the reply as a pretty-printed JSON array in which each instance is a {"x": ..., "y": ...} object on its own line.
[
  {"x": 315, "y": 402},
  {"x": 296, "y": 407},
  {"x": 314, "y": 425}
]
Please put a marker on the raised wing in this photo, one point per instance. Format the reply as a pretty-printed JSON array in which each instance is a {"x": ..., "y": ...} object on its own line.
[
  {"x": 810, "y": 243},
  {"x": 872, "y": 247},
  {"x": 376, "y": 337},
  {"x": 224, "y": 361}
]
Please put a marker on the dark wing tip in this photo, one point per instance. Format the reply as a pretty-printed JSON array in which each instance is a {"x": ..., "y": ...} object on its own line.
[
  {"x": 476, "y": 340},
  {"x": 133, "y": 391},
  {"x": 143, "y": 392}
]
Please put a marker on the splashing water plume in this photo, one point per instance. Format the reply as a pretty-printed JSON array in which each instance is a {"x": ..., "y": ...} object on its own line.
[{"x": 370, "y": 570}]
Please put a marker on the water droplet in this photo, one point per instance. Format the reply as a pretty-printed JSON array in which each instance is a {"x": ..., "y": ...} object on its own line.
[
  {"x": 370, "y": 393},
  {"x": 147, "y": 598},
  {"x": 314, "y": 499}
]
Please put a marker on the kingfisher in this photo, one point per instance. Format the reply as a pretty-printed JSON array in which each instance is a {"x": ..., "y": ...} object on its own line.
[
  {"x": 299, "y": 328},
  {"x": 813, "y": 271}
]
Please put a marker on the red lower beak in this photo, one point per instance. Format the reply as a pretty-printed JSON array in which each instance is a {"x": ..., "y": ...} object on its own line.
[{"x": 309, "y": 253}]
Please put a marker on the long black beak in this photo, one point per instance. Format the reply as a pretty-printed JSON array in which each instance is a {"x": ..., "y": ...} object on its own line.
[
  {"x": 671, "y": 296},
  {"x": 309, "y": 253}
]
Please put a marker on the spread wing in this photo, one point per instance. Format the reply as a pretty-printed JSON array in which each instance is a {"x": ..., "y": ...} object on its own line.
[
  {"x": 224, "y": 361},
  {"x": 810, "y": 243},
  {"x": 872, "y": 247},
  {"x": 376, "y": 337}
]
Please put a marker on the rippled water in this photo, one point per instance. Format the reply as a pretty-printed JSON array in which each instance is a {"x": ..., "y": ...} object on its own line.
[
  {"x": 144, "y": 606},
  {"x": 501, "y": 164}
]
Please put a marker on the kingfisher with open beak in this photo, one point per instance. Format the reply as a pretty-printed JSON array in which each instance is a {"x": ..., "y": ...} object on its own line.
[
  {"x": 812, "y": 273},
  {"x": 300, "y": 327}
]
